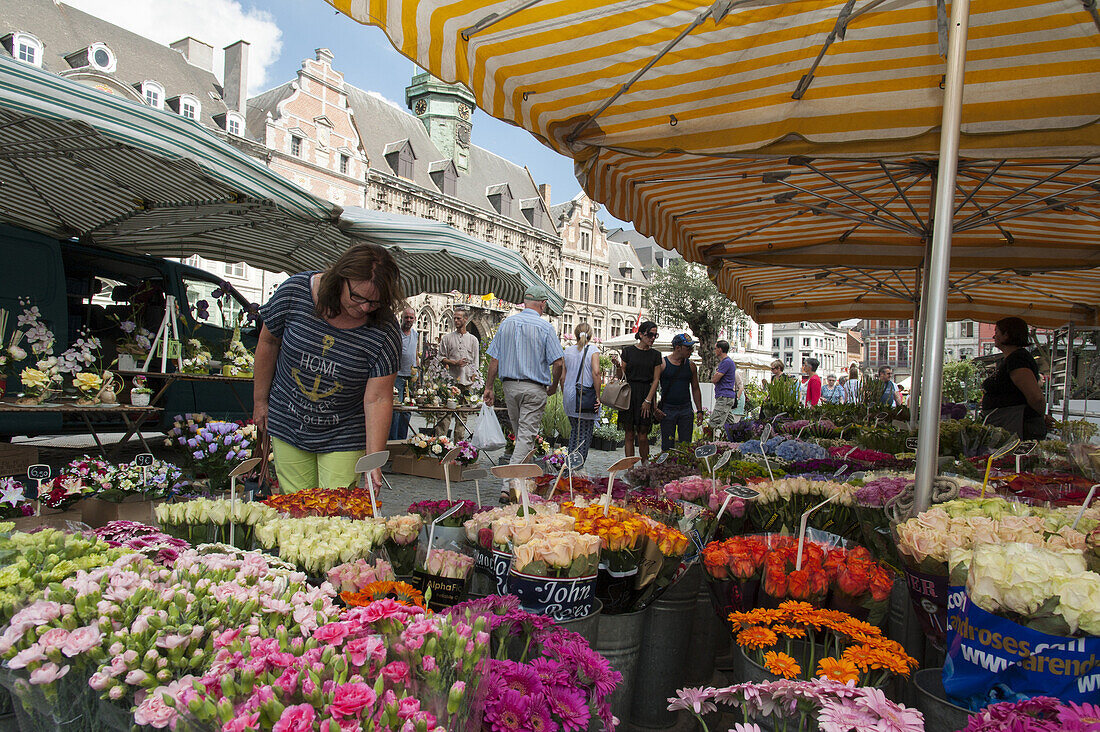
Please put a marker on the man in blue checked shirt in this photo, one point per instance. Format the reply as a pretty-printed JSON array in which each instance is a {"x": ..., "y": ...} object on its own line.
[{"x": 526, "y": 354}]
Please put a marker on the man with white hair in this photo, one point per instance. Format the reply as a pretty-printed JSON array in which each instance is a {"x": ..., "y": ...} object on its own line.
[{"x": 399, "y": 424}]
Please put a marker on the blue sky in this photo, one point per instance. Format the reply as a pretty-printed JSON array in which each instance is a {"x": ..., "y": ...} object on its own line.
[{"x": 284, "y": 32}]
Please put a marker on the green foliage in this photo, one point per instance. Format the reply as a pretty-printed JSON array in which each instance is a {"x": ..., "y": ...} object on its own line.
[
  {"x": 781, "y": 396},
  {"x": 554, "y": 420},
  {"x": 962, "y": 381},
  {"x": 754, "y": 397},
  {"x": 683, "y": 293}
]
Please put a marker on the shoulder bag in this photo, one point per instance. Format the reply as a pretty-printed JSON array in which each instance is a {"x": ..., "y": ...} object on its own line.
[
  {"x": 586, "y": 395},
  {"x": 616, "y": 394}
]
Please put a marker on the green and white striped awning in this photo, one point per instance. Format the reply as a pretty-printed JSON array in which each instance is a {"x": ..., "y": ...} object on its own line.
[
  {"x": 435, "y": 257},
  {"x": 79, "y": 163}
]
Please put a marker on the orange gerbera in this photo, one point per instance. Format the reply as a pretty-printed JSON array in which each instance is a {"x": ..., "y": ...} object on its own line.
[
  {"x": 402, "y": 592},
  {"x": 781, "y": 664},
  {"x": 791, "y": 631},
  {"x": 837, "y": 669},
  {"x": 757, "y": 637},
  {"x": 864, "y": 657}
]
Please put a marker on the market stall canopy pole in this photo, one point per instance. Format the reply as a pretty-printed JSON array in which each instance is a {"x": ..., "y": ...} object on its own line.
[
  {"x": 435, "y": 257},
  {"x": 82, "y": 164}
]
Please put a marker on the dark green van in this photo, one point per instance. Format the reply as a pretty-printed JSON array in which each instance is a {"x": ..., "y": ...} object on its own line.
[{"x": 78, "y": 287}]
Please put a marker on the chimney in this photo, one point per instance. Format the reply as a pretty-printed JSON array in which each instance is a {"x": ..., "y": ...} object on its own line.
[
  {"x": 544, "y": 191},
  {"x": 235, "y": 79},
  {"x": 196, "y": 52}
]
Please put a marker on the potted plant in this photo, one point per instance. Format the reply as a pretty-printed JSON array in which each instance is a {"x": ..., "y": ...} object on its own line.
[
  {"x": 88, "y": 384},
  {"x": 196, "y": 357},
  {"x": 38, "y": 384},
  {"x": 238, "y": 359},
  {"x": 140, "y": 393}
]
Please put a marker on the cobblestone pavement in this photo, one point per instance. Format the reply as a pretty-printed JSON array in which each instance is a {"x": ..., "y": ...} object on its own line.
[{"x": 406, "y": 489}]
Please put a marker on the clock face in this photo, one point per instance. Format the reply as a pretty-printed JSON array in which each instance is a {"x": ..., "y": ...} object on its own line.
[
  {"x": 421, "y": 107},
  {"x": 463, "y": 111}
]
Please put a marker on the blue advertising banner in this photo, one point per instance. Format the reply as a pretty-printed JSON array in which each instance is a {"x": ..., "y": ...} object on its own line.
[{"x": 986, "y": 652}]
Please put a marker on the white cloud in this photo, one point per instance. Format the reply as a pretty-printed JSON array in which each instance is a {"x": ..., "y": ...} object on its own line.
[
  {"x": 387, "y": 100},
  {"x": 217, "y": 22}
]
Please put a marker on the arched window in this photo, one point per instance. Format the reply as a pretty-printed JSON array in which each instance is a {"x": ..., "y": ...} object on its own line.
[
  {"x": 190, "y": 107},
  {"x": 446, "y": 323},
  {"x": 616, "y": 326},
  {"x": 425, "y": 325},
  {"x": 234, "y": 123},
  {"x": 153, "y": 94},
  {"x": 26, "y": 48}
]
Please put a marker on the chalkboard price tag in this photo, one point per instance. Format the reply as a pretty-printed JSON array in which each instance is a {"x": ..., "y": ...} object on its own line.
[
  {"x": 723, "y": 460},
  {"x": 575, "y": 460},
  {"x": 705, "y": 451},
  {"x": 1026, "y": 447},
  {"x": 39, "y": 472},
  {"x": 911, "y": 443},
  {"x": 144, "y": 460}
]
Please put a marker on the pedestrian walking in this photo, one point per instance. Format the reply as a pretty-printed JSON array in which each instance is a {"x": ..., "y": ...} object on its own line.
[
  {"x": 811, "y": 382},
  {"x": 853, "y": 386},
  {"x": 460, "y": 352},
  {"x": 527, "y": 356},
  {"x": 890, "y": 393},
  {"x": 580, "y": 386},
  {"x": 832, "y": 392},
  {"x": 399, "y": 424},
  {"x": 640, "y": 365},
  {"x": 326, "y": 362},
  {"x": 727, "y": 389},
  {"x": 679, "y": 385}
]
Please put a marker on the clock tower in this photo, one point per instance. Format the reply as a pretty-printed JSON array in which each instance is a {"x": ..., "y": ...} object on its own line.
[{"x": 446, "y": 111}]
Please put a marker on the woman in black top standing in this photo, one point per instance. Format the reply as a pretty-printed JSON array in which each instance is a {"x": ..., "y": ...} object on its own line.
[
  {"x": 641, "y": 367},
  {"x": 1012, "y": 398}
]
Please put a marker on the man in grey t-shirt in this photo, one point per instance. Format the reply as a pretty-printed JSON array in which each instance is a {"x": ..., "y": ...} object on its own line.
[{"x": 399, "y": 425}]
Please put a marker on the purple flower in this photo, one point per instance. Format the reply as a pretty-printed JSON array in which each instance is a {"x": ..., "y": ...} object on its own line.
[{"x": 202, "y": 310}]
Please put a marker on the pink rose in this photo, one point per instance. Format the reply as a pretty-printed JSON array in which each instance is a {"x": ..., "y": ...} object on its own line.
[
  {"x": 351, "y": 699},
  {"x": 332, "y": 633},
  {"x": 154, "y": 712},
  {"x": 298, "y": 718},
  {"x": 82, "y": 640},
  {"x": 48, "y": 673},
  {"x": 396, "y": 672}
]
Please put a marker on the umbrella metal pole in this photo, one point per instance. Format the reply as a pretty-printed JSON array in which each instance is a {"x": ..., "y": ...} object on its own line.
[
  {"x": 916, "y": 390},
  {"x": 939, "y": 264}
]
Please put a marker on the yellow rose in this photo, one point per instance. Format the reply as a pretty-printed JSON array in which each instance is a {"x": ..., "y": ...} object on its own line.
[
  {"x": 88, "y": 383},
  {"x": 34, "y": 379}
]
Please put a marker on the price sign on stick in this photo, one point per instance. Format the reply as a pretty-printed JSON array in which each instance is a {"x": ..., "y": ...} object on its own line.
[
  {"x": 911, "y": 443},
  {"x": 733, "y": 491},
  {"x": 998, "y": 453},
  {"x": 143, "y": 461},
  {"x": 573, "y": 461},
  {"x": 245, "y": 466},
  {"x": 447, "y": 461},
  {"x": 661, "y": 458},
  {"x": 625, "y": 463},
  {"x": 37, "y": 473},
  {"x": 521, "y": 472},
  {"x": 367, "y": 465},
  {"x": 431, "y": 527},
  {"x": 802, "y": 529},
  {"x": 704, "y": 452},
  {"x": 476, "y": 475},
  {"x": 723, "y": 460},
  {"x": 1024, "y": 449},
  {"x": 764, "y": 437}
]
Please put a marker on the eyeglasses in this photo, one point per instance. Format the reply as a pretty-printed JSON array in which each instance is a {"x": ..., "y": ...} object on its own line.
[
  {"x": 358, "y": 299},
  {"x": 651, "y": 334},
  {"x": 775, "y": 368}
]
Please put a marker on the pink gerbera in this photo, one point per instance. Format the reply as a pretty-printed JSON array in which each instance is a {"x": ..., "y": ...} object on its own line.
[
  {"x": 569, "y": 706},
  {"x": 1086, "y": 715},
  {"x": 894, "y": 717},
  {"x": 509, "y": 713},
  {"x": 843, "y": 717},
  {"x": 694, "y": 699}
]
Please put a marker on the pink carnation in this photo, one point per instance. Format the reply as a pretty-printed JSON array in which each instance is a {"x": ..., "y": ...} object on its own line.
[
  {"x": 332, "y": 633},
  {"x": 82, "y": 640},
  {"x": 298, "y": 718},
  {"x": 351, "y": 699}
]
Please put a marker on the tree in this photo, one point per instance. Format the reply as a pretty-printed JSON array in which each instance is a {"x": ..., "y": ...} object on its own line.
[
  {"x": 683, "y": 294},
  {"x": 962, "y": 381}
]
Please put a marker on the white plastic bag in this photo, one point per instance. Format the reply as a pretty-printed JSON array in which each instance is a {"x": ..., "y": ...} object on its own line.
[{"x": 487, "y": 434}]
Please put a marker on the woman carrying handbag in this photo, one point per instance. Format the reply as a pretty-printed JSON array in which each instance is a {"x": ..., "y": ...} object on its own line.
[
  {"x": 581, "y": 388},
  {"x": 641, "y": 366}
]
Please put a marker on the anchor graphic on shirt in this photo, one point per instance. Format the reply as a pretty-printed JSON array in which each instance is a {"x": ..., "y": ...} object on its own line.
[{"x": 313, "y": 393}]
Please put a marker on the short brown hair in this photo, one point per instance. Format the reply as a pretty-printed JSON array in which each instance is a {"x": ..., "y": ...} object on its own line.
[
  {"x": 1015, "y": 330},
  {"x": 365, "y": 262}
]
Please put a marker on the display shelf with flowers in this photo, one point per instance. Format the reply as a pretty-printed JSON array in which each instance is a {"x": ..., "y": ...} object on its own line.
[
  {"x": 197, "y": 358},
  {"x": 354, "y": 576},
  {"x": 799, "y": 641},
  {"x": 209, "y": 449},
  {"x": 349, "y": 502},
  {"x": 204, "y": 520},
  {"x": 14, "y": 503},
  {"x": 156, "y": 545},
  {"x": 318, "y": 544},
  {"x": 402, "y": 539},
  {"x": 797, "y": 706},
  {"x": 88, "y": 385},
  {"x": 754, "y": 571},
  {"x": 781, "y": 503},
  {"x": 430, "y": 446},
  {"x": 385, "y": 666},
  {"x": 134, "y": 630}
]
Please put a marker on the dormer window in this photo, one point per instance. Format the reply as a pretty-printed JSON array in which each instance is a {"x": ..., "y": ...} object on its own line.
[
  {"x": 234, "y": 124},
  {"x": 25, "y": 48},
  {"x": 189, "y": 107},
  {"x": 153, "y": 94},
  {"x": 399, "y": 156},
  {"x": 500, "y": 197},
  {"x": 97, "y": 56},
  {"x": 532, "y": 211},
  {"x": 444, "y": 175}
]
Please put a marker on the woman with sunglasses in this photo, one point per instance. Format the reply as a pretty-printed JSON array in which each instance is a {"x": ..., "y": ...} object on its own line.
[
  {"x": 641, "y": 367},
  {"x": 328, "y": 352}
]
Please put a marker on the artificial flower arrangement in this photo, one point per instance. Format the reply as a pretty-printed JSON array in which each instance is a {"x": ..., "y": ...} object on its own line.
[
  {"x": 799, "y": 641},
  {"x": 41, "y": 380},
  {"x": 196, "y": 357},
  {"x": 467, "y": 453},
  {"x": 237, "y": 359},
  {"x": 210, "y": 449},
  {"x": 140, "y": 393},
  {"x": 128, "y": 481},
  {"x": 156, "y": 545},
  {"x": 205, "y": 520},
  {"x": 133, "y": 630},
  {"x": 350, "y": 502},
  {"x": 434, "y": 446},
  {"x": 13, "y": 500},
  {"x": 430, "y": 511},
  {"x": 402, "y": 536},
  {"x": 549, "y": 677},
  {"x": 39, "y": 383},
  {"x": 317, "y": 544},
  {"x": 555, "y": 459},
  {"x": 793, "y": 706},
  {"x": 354, "y": 576},
  {"x": 747, "y": 572},
  {"x": 782, "y": 502},
  {"x": 385, "y": 666},
  {"x": 89, "y": 386}
]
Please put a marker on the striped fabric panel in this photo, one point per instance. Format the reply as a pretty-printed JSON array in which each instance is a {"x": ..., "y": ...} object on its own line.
[
  {"x": 785, "y": 294},
  {"x": 721, "y": 85}
]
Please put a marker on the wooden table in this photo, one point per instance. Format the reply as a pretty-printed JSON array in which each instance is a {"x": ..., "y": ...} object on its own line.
[
  {"x": 440, "y": 412},
  {"x": 132, "y": 417},
  {"x": 171, "y": 378}
]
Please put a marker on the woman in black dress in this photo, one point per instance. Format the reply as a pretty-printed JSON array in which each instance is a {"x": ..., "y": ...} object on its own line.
[
  {"x": 640, "y": 365},
  {"x": 1012, "y": 398}
]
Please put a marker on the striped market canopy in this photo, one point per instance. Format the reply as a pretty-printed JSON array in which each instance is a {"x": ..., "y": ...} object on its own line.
[
  {"x": 745, "y": 133},
  {"x": 77, "y": 163},
  {"x": 435, "y": 257}
]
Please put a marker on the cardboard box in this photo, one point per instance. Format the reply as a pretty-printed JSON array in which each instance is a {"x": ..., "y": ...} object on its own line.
[
  {"x": 98, "y": 513},
  {"x": 425, "y": 468},
  {"x": 15, "y": 459},
  {"x": 50, "y": 520}
]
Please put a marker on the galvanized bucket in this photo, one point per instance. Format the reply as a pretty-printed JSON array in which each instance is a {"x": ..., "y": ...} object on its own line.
[
  {"x": 619, "y": 641},
  {"x": 939, "y": 713}
]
